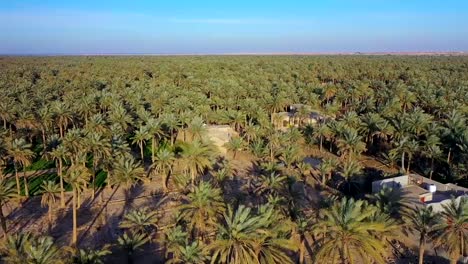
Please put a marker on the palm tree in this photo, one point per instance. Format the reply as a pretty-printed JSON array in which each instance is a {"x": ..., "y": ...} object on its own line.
[
  {"x": 235, "y": 144},
  {"x": 163, "y": 163},
  {"x": 326, "y": 167},
  {"x": 77, "y": 176},
  {"x": 392, "y": 202},
  {"x": 247, "y": 238},
  {"x": 131, "y": 242},
  {"x": 290, "y": 154},
  {"x": 350, "y": 144},
  {"x": 349, "y": 232},
  {"x": 7, "y": 192},
  {"x": 432, "y": 151},
  {"x": 62, "y": 116},
  {"x": 196, "y": 128},
  {"x": 155, "y": 130},
  {"x": 125, "y": 172},
  {"x": 172, "y": 124},
  {"x": 189, "y": 254},
  {"x": 140, "y": 138},
  {"x": 59, "y": 154},
  {"x": 321, "y": 132},
  {"x": 271, "y": 183},
  {"x": 27, "y": 248},
  {"x": 202, "y": 207},
  {"x": 89, "y": 256},
  {"x": 140, "y": 220},
  {"x": 196, "y": 157},
  {"x": 21, "y": 154},
  {"x": 100, "y": 147},
  {"x": 425, "y": 222},
  {"x": 174, "y": 238},
  {"x": 453, "y": 231},
  {"x": 49, "y": 197}
]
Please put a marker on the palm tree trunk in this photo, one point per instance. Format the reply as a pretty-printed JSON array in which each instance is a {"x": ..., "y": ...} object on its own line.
[
  {"x": 403, "y": 161},
  {"x": 17, "y": 179},
  {"x": 93, "y": 180},
  {"x": 141, "y": 151},
  {"x": 153, "y": 142},
  {"x": 321, "y": 142},
  {"x": 302, "y": 251},
  {"x": 50, "y": 218},
  {"x": 26, "y": 187},
  {"x": 62, "y": 190},
  {"x": 75, "y": 231},
  {"x": 3, "y": 220},
  {"x": 409, "y": 163},
  {"x": 422, "y": 242}
]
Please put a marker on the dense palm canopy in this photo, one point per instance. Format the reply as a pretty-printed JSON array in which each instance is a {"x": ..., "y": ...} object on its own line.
[{"x": 73, "y": 124}]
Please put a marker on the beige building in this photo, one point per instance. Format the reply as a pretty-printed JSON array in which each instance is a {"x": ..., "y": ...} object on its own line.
[{"x": 298, "y": 115}]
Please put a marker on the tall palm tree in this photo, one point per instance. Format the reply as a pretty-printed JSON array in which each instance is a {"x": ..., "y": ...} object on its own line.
[
  {"x": 350, "y": 144},
  {"x": 59, "y": 154},
  {"x": 326, "y": 167},
  {"x": 140, "y": 137},
  {"x": 77, "y": 176},
  {"x": 163, "y": 164},
  {"x": 196, "y": 157},
  {"x": 62, "y": 116},
  {"x": 453, "y": 231},
  {"x": 100, "y": 147},
  {"x": 7, "y": 192},
  {"x": 349, "y": 233},
  {"x": 202, "y": 207},
  {"x": 49, "y": 197},
  {"x": 290, "y": 154},
  {"x": 155, "y": 130},
  {"x": 321, "y": 132},
  {"x": 425, "y": 222},
  {"x": 21, "y": 154}
]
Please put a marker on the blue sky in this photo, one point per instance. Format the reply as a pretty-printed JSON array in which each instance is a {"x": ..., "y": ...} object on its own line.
[{"x": 152, "y": 26}]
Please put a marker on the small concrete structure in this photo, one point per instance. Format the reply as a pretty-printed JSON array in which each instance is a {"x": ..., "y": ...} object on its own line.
[
  {"x": 220, "y": 135},
  {"x": 297, "y": 115},
  {"x": 423, "y": 191}
]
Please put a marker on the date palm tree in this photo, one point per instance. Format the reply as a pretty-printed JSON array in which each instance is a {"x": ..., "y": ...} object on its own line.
[
  {"x": 244, "y": 237},
  {"x": 326, "y": 168},
  {"x": 350, "y": 144},
  {"x": 453, "y": 230},
  {"x": 100, "y": 147},
  {"x": 156, "y": 131},
  {"x": 196, "y": 157},
  {"x": 202, "y": 207},
  {"x": 49, "y": 197},
  {"x": 140, "y": 138},
  {"x": 7, "y": 192},
  {"x": 348, "y": 232},
  {"x": 141, "y": 220},
  {"x": 235, "y": 144},
  {"x": 131, "y": 243},
  {"x": 163, "y": 164},
  {"x": 89, "y": 256},
  {"x": 21, "y": 155},
  {"x": 27, "y": 248},
  {"x": 321, "y": 132},
  {"x": 77, "y": 176},
  {"x": 193, "y": 253},
  {"x": 425, "y": 222},
  {"x": 174, "y": 238},
  {"x": 59, "y": 154},
  {"x": 62, "y": 116}
]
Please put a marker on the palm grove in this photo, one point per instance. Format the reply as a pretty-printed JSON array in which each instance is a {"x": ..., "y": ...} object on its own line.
[{"x": 97, "y": 126}]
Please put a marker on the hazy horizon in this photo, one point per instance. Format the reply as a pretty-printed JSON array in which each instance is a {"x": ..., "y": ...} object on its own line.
[{"x": 33, "y": 27}]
